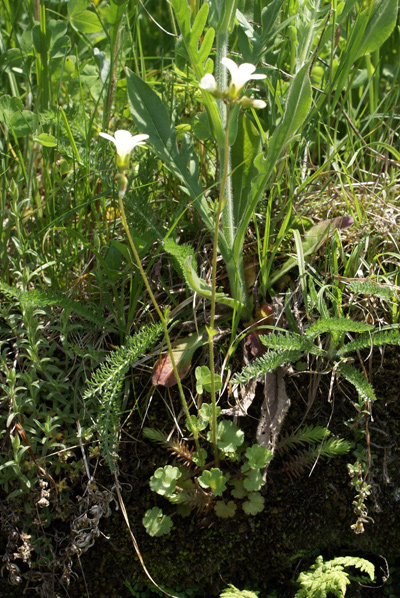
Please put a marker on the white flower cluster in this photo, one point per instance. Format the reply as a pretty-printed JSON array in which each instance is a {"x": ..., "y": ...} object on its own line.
[{"x": 240, "y": 75}]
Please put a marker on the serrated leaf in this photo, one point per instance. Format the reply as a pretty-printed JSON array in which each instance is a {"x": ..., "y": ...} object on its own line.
[
  {"x": 156, "y": 523},
  {"x": 164, "y": 480},
  {"x": 336, "y": 324},
  {"x": 357, "y": 379},
  {"x": 225, "y": 510},
  {"x": 213, "y": 478},
  {"x": 254, "y": 504}
]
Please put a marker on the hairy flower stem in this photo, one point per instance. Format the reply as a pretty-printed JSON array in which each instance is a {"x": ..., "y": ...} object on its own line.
[
  {"x": 211, "y": 331},
  {"x": 163, "y": 321}
]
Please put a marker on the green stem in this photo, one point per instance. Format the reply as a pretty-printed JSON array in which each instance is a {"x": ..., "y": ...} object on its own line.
[
  {"x": 211, "y": 332},
  {"x": 163, "y": 321}
]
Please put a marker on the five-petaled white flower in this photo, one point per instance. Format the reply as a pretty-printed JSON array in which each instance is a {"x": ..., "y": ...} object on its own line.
[
  {"x": 124, "y": 142},
  {"x": 240, "y": 75}
]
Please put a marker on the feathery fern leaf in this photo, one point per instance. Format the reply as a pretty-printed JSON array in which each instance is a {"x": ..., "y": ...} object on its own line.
[
  {"x": 40, "y": 299},
  {"x": 324, "y": 578},
  {"x": 106, "y": 385},
  {"x": 306, "y": 435},
  {"x": 266, "y": 363},
  {"x": 291, "y": 342},
  {"x": 357, "y": 379},
  {"x": 232, "y": 592},
  {"x": 8, "y": 291},
  {"x": 367, "y": 287},
  {"x": 385, "y": 337},
  {"x": 336, "y": 324}
]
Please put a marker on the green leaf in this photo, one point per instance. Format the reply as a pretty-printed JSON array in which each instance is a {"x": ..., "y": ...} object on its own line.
[
  {"x": 336, "y": 324},
  {"x": 206, "y": 412},
  {"x": 258, "y": 456},
  {"x": 156, "y": 523},
  {"x": 253, "y": 480},
  {"x": 297, "y": 107},
  {"x": 213, "y": 478},
  {"x": 24, "y": 123},
  {"x": 225, "y": 510},
  {"x": 238, "y": 491},
  {"x": 232, "y": 592},
  {"x": 46, "y": 140},
  {"x": 164, "y": 480},
  {"x": 8, "y": 107},
  {"x": 313, "y": 239},
  {"x": 229, "y": 436},
  {"x": 196, "y": 424},
  {"x": 85, "y": 22},
  {"x": 244, "y": 151},
  {"x": 200, "y": 459},
  {"x": 254, "y": 504},
  {"x": 357, "y": 379},
  {"x": 380, "y": 25},
  {"x": 203, "y": 379}
]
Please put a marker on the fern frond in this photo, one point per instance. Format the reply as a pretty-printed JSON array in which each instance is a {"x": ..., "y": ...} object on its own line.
[
  {"x": 367, "y": 287},
  {"x": 357, "y": 379},
  {"x": 267, "y": 363},
  {"x": 306, "y": 435},
  {"x": 295, "y": 466},
  {"x": 40, "y": 299},
  {"x": 106, "y": 384},
  {"x": 324, "y": 578},
  {"x": 351, "y": 561},
  {"x": 8, "y": 291},
  {"x": 232, "y": 592},
  {"x": 333, "y": 447},
  {"x": 336, "y": 324},
  {"x": 290, "y": 342},
  {"x": 385, "y": 337}
]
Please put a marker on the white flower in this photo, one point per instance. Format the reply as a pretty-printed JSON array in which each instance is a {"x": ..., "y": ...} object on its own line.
[
  {"x": 240, "y": 75},
  {"x": 124, "y": 142},
  {"x": 208, "y": 83},
  {"x": 250, "y": 103}
]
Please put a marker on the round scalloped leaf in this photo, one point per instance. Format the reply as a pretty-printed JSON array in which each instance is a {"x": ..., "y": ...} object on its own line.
[
  {"x": 164, "y": 480},
  {"x": 254, "y": 504},
  {"x": 196, "y": 457},
  {"x": 205, "y": 411},
  {"x": 253, "y": 480},
  {"x": 225, "y": 510},
  {"x": 230, "y": 437},
  {"x": 156, "y": 523},
  {"x": 238, "y": 491},
  {"x": 213, "y": 478},
  {"x": 258, "y": 456},
  {"x": 196, "y": 424}
]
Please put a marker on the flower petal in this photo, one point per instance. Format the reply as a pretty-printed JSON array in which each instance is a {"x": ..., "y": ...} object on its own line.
[
  {"x": 208, "y": 83},
  {"x": 107, "y": 136}
]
